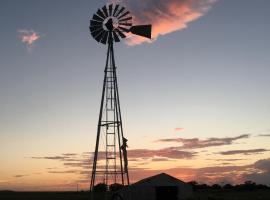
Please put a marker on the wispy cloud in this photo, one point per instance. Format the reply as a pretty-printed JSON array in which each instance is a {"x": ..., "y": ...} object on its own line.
[
  {"x": 195, "y": 143},
  {"x": 245, "y": 152},
  {"x": 29, "y": 37},
  {"x": 230, "y": 159},
  {"x": 135, "y": 155},
  {"x": 160, "y": 159},
  {"x": 63, "y": 157},
  {"x": 165, "y": 16},
  {"x": 233, "y": 173},
  {"x": 50, "y": 157},
  {"x": 20, "y": 175},
  {"x": 69, "y": 154},
  {"x": 165, "y": 153},
  {"x": 80, "y": 164},
  {"x": 63, "y": 172},
  {"x": 264, "y": 135}
]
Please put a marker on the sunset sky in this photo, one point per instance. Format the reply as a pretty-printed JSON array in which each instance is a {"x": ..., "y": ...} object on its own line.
[{"x": 195, "y": 99}]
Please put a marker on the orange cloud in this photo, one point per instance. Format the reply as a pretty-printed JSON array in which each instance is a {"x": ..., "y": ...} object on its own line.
[{"x": 165, "y": 16}]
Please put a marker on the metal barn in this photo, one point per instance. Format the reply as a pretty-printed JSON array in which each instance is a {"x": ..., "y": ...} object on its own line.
[{"x": 158, "y": 187}]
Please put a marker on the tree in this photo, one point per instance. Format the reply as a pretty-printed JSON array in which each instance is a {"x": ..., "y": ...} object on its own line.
[
  {"x": 216, "y": 186},
  {"x": 228, "y": 186},
  {"x": 100, "y": 187},
  {"x": 115, "y": 187}
]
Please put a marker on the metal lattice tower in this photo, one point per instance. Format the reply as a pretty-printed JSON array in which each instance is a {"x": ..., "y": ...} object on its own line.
[
  {"x": 110, "y": 127},
  {"x": 110, "y": 162}
]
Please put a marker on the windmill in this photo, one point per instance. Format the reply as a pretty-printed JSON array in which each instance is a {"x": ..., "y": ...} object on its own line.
[{"x": 109, "y": 25}]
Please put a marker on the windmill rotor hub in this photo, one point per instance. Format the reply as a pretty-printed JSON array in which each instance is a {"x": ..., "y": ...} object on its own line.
[{"x": 110, "y": 24}]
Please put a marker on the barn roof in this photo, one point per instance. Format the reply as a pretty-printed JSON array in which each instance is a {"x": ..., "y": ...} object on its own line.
[{"x": 158, "y": 177}]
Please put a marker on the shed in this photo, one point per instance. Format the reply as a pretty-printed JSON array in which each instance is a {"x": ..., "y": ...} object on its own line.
[{"x": 158, "y": 187}]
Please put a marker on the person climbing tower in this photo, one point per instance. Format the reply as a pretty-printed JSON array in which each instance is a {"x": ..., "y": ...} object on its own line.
[{"x": 124, "y": 150}]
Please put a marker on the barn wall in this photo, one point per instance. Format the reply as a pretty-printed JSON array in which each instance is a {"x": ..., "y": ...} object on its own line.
[
  {"x": 139, "y": 192},
  {"x": 184, "y": 192},
  {"x": 148, "y": 192}
]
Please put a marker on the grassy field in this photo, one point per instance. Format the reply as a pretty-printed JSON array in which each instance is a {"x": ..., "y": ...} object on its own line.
[{"x": 198, "y": 195}]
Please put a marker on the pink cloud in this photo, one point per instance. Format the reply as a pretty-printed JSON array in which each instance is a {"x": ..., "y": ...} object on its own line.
[
  {"x": 179, "y": 129},
  {"x": 165, "y": 16},
  {"x": 28, "y": 37}
]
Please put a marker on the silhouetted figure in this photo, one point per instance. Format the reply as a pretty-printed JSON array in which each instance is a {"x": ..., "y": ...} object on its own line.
[{"x": 124, "y": 150}]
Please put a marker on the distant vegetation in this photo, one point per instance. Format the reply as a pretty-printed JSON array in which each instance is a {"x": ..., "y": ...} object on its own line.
[
  {"x": 246, "y": 191},
  {"x": 101, "y": 187},
  {"x": 247, "y": 186}
]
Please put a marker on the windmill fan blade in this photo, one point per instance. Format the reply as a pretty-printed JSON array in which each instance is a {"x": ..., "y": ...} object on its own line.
[
  {"x": 123, "y": 29},
  {"x": 100, "y": 36},
  {"x": 125, "y": 24},
  {"x": 115, "y": 37},
  {"x": 110, "y": 9},
  {"x": 125, "y": 14},
  {"x": 142, "y": 30},
  {"x": 115, "y": 9},
  {"x": 100, "y": 13},
  {"x": 95, "y": 23},
  {"x": 121, "y": 10},
  {"x": 105, "y": 11},
  {"x": 120, "y": 33},
  {"x": 97, "y": 18},
  {"x": 95, "y": 29},
  {"x": 126, "y": 19},
  {"x": 97, "y": 33}
]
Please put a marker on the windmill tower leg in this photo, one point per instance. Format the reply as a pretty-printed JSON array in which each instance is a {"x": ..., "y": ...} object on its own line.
[{"x": 110, "y": 164}]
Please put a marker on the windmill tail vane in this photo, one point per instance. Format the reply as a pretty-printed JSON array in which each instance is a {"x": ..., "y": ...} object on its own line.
[{"x": 109, "y": 25}]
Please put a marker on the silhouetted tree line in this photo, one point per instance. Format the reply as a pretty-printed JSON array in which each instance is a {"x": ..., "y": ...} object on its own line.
[
  {"x": 248, "y": 185},
  {"x": 102, "y": 187}
]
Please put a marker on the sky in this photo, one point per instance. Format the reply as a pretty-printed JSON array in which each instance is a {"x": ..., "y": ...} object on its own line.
[{"x": 197, "y": 94}]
